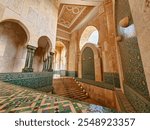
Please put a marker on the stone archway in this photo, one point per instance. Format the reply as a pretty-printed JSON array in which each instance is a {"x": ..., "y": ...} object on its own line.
[
  {"x": 97, "y": 62},
  {"x": 13, "y": 38},
  {"x": 88, "y": 68},
  {"x": 60, "y": 65},
  {"x": 89, "y": 35},
  {"x": 41, "y": 54}
]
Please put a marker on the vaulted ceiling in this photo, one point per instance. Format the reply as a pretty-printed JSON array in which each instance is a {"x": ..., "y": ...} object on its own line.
[{"x": 72, "y": 12}]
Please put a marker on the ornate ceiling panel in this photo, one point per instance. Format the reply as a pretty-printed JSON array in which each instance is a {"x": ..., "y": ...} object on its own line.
[{"x": 71, "y": 15}]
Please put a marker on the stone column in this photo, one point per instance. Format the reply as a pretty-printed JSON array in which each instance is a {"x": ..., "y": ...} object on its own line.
[
  {"x": 29, "y": 59},
  {"x": 44, "y": 65},
  {"x": 51, "y": 61}
]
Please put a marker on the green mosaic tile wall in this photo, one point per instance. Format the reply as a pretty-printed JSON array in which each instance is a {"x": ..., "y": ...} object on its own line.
[
  {"x": 96, "y": 83},
  {"x": 132, "y": 66},
  {"x": 135, "y": 85},
  {"x": 31, "y": 80},
  {"x": 72, "y": 73},
  {"x": 112, "y": 78},
  {"x": 61, "y": 72},
  {"x": 56, "y": 72},
  {"x": 139, "y": 103}
]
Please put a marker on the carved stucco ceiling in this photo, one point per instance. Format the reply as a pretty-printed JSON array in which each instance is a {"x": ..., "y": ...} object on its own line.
[{"x": 71, "y": 15}]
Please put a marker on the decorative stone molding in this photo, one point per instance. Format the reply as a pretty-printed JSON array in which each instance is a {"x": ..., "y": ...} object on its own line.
[{"x": 124, "y": 22}]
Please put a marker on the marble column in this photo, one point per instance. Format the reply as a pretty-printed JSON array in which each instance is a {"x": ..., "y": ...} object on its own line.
[
  {"x": 44, "y": 65},
  {"x": 29, "y": 59},
  {"x": 51, "y": 61}
]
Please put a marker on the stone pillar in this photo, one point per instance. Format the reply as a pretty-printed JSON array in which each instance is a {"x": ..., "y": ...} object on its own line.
[
  {"x": 44, "y": 65},
  {"x": 29, "y": 59},
  {"x": 51, "y": 61}
]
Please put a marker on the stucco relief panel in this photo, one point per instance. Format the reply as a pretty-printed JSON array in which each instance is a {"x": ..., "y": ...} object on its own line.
[
  {"x": 32, "y": 16},
  {"x": 15, "y": 5}
]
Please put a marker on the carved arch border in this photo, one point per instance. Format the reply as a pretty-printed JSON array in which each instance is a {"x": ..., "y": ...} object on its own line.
[{"x": 97, "y": 61}]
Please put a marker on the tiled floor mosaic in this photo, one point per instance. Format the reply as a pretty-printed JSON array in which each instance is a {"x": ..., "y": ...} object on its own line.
[{"x": 14, "y": 99}]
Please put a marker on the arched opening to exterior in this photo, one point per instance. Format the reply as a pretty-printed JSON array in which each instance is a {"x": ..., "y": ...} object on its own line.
[
  {"x": 88, "y": 69},
  {"x": 13, "y": 38},
  {"x": 89, "y": 35},
  {"x": 60, "y": 59},
  {"x": 41, "y": 53}
]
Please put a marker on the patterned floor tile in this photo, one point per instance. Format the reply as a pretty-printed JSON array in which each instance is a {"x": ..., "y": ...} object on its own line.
[{"x": 15, "y": 99}]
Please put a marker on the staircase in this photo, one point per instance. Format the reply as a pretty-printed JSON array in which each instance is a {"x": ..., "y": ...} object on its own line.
[{"x": 67, "y": 87}]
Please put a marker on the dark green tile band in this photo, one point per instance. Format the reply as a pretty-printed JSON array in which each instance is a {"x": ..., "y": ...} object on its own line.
[
  {"x": 112, "y": 78},
  {"x": 95, "y": 83},
  {"x": 31, "y": 80},
  {"x": 72, "y": 73}
]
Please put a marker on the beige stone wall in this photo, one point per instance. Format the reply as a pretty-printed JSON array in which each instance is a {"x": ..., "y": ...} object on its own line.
[
  {"x": 37, "y": 17},
  {"x": 140, "y": 10},
  {"x": 12, "y": 47},
  {"x": 73, "y": 52},
  {"x": 104, "y": 96},
  {"x": 38, "y": 60}
]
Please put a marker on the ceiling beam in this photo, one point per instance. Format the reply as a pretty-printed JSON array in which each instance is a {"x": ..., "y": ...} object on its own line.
[{"x": 82, "y": 2}]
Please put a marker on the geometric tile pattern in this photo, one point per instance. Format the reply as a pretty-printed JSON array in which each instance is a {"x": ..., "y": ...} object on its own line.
[
  {"x": 132, "y": 66},
  {"x": 34, "y": 80},
  {"x": 140, "y": 103},
  {"x": 135, "y": 84},
  {"x": 14, "y": 99},
  {"x": 112, "y": 78}
]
